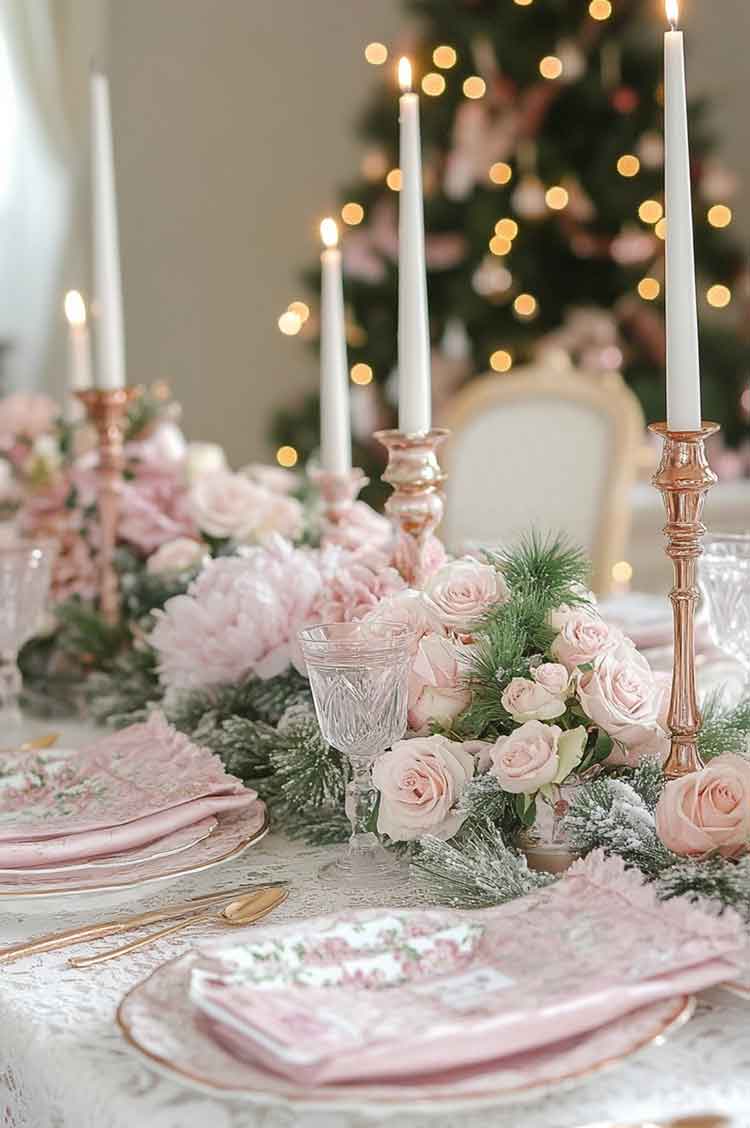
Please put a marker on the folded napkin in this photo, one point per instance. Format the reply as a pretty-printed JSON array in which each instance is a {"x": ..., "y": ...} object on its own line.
[
  {"x": 122, "y": 792},
  {"x": 391, "y": 994}
]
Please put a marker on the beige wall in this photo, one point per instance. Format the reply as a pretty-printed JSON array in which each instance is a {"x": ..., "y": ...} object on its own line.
[{"x": 233, "y": 127}]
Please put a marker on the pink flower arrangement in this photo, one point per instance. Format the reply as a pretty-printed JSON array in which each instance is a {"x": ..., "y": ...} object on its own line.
[
  {"x": 420, "y": 783},
  {"x": 708, "y": 810},
  {"x": 229, "y": 506},
  {"x": 24, "y": 417}
]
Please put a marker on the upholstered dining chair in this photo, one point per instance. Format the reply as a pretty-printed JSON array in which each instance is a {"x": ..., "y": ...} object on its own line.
[{"x": 552, "y": 449}]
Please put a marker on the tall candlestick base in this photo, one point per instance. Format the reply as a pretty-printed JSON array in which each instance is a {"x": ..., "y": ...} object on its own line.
[
  {"x": 684, "y": 478},
  {"x": 416, "y": 504},
  {"x": 106, "y": 409},
  {"x": 338, "y": 492}
]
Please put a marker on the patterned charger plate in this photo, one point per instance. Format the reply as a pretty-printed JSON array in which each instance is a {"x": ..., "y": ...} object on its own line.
[{"x": 159, "y": 1021}]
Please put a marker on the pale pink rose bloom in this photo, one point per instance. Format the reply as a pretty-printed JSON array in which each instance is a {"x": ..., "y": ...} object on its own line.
[
  {"x": 558, "y": 616},
  {"x": 25, "y": 415},
  {"x": 621, "y": 695},
  {"x": 153, "y": 510},
  {"x": 226, "y": 505},
  {"x": 179, "y": 555},
  {"x": 554, "y": 677},
  {"x": 535, "y": 755},
  {"x": 420, "y": 781},
  {"x": 527, "y": 700},
  {"x": 240, "y": 616},
  {"x": 407, "y": 608},
  {"x": 582, "y": 638},
  {"x": 436, "y": 690},
  {"x": 461, "y": 592},
  {"x": 707, "y": 810}
]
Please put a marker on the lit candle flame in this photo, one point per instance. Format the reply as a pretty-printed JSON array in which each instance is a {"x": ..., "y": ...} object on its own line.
[
  {"x": 329, "y": 232},
  {"x": 404, "y": 74},
  {"x": 75, "y": 309},
  {"x": 673, "y": 13}
]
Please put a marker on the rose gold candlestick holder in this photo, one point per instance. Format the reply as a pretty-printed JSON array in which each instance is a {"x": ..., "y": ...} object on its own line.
[
  {"x": 106, "y": 410},
  {"x": 684, "y": 478},
  {"x": 416, "y": 504},
  {"x": 338, "y": 492}
]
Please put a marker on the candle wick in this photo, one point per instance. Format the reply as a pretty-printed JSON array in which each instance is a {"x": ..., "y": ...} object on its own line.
[{"x": 673, "y": 25}]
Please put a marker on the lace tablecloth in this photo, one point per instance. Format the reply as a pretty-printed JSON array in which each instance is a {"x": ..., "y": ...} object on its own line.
[{"x": 63, "y": 1063}]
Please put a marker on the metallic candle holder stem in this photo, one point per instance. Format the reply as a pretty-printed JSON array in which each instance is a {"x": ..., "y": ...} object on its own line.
[
  {"x": 106, "y": 410},
  {"x": 416, "y": 504},
  {"x": 338, "y": 492},
  {"x": 684, "y": 478}
]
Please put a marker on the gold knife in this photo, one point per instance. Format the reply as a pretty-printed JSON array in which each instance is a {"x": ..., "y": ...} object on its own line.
[{"x": 54, "y": 940}]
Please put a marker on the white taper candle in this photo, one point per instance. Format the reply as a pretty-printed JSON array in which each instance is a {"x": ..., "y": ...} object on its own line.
[
  {"x": 683, "y": 361},
  {"x": 79, "y": 353},
  {"x": 335, "y": 426},
  {"x": 110, "y": 343},
  {"x": 414, "y": 389}
]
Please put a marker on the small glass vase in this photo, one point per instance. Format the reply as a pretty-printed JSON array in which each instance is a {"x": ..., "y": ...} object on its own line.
[
  {"x": 544, "y": 843},
  {"x": 724, "y": 576},
  {"x": 358, "y": 676}
]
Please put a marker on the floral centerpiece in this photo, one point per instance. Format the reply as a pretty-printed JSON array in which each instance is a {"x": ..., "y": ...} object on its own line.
[{"x": 528, "y": 714}]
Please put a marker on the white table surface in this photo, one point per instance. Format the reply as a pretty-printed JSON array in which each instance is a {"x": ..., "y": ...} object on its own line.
[{"x": 63, "y": 1063}]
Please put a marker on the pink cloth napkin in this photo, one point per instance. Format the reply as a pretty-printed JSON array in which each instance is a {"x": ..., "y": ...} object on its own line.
[
  {"x": 386, "y": 995},
  {"x": 132, "y": 788}
]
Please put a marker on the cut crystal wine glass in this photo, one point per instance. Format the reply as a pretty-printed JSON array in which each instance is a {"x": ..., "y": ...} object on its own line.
[
  {"x": 724, "y": 575},
  {"x": 25, "y": 571},
  {"x": 358, "y": 675}
]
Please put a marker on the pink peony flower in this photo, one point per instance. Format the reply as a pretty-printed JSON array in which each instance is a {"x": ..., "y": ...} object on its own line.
[
  {"x": 354, "y": 584},
  {"x": 420, "y": 781},
  {"x": 622, "y": 696},
  {"x": 526, "y": 700},
  {"x": 226, "y": 505},
  {"x": 361, "y": 528},
  {"x": 410, "y": 558},
  {"x": 436, "y": 690},
  {"x": 239, "y": 617},
  {"x": 583, "y": 637},
  {"x": 535, "y": 755},
  {"x": 25, "y": 415},
  {"x": 707, "y": 810},
  {"x": 179, "y": 555},
  {"x": 407, "y": 607},
  {"x": 554, "y": 677},
  {"x": 153, "y": 510},
  {"x": 461, "y": 592}
]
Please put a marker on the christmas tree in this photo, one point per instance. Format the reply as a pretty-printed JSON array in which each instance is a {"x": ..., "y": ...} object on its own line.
[{"x": 544, "y": 210}]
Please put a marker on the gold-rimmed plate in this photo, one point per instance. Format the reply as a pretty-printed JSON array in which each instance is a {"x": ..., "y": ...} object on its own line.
[
  {"x": 160, "y": 1023},
  {"x": 45, "y": 892}
]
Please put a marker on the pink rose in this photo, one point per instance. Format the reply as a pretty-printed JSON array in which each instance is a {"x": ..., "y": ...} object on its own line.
[
  {"x": 554, "y": 677},
  {"x": 406, "y": 607},
  {"x": 582, "y": 638},
  {"x": 535, "y": 755},
  {"x": 707, "y": 810},
  {"x": 420, "y": 781},
  {"x": 528, "y": 701},
  {"x": 461, "y": 592},
  {"x": 436, "y": 692},
  {"x": 621, "y": 695},
  {"x": 227, "y": 505},
  {"x": 178, "y": 555}
]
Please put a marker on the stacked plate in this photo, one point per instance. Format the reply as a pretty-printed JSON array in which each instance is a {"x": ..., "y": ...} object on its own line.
[
  {"x": 140, "y": 806},
  {"x": 431, "y": 1006}
]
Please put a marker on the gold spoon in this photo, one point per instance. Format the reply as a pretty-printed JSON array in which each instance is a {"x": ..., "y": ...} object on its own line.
[
  {"x": 245, "y": 910},
  {"x": 35, "y": 745}
]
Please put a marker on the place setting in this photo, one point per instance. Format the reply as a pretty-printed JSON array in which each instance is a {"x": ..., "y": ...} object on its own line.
[{"x": 407, "y": 776}]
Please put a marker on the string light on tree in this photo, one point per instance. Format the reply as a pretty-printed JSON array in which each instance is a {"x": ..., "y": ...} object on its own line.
[
  {"x": 720, "y": 215},
  {"x": 622, "y": 572},
  {"x": 718, "y": 296},
  {"x": 290, "y": 323},
  {"x": 500, "y": 172},
  {"x": 301, "y": 309},
  {"x": 433, "y": 84},
  {"x": 524, "y": 3},
  {"x": 361, "y": 374},
  {"x": 352, "y": 213},
  {"x": 287, "y": 457},
  {"x": 628, "y": 165},
  {"x": 556, "y": 198},
  {"x": 650, "y": 211},
  {"x": 600, "y": 9},
  {"x": 444, "y": 57},
  {"x": 649, "y": 289},
  {"x": 393, "y": 180},
  {"x": 525, "y": 305},
  {"x": 501, "y": 360},
  {"x": 376, "y": 53},
  {"x": 474, "y": 86},
  {"x": 507, "y": 228},
  {"x": 550, "y": 67},
  {"x": 499, "y": 245}
]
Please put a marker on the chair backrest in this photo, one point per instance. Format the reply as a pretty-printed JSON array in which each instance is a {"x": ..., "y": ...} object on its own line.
[{"x": 543, "y": 448}]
